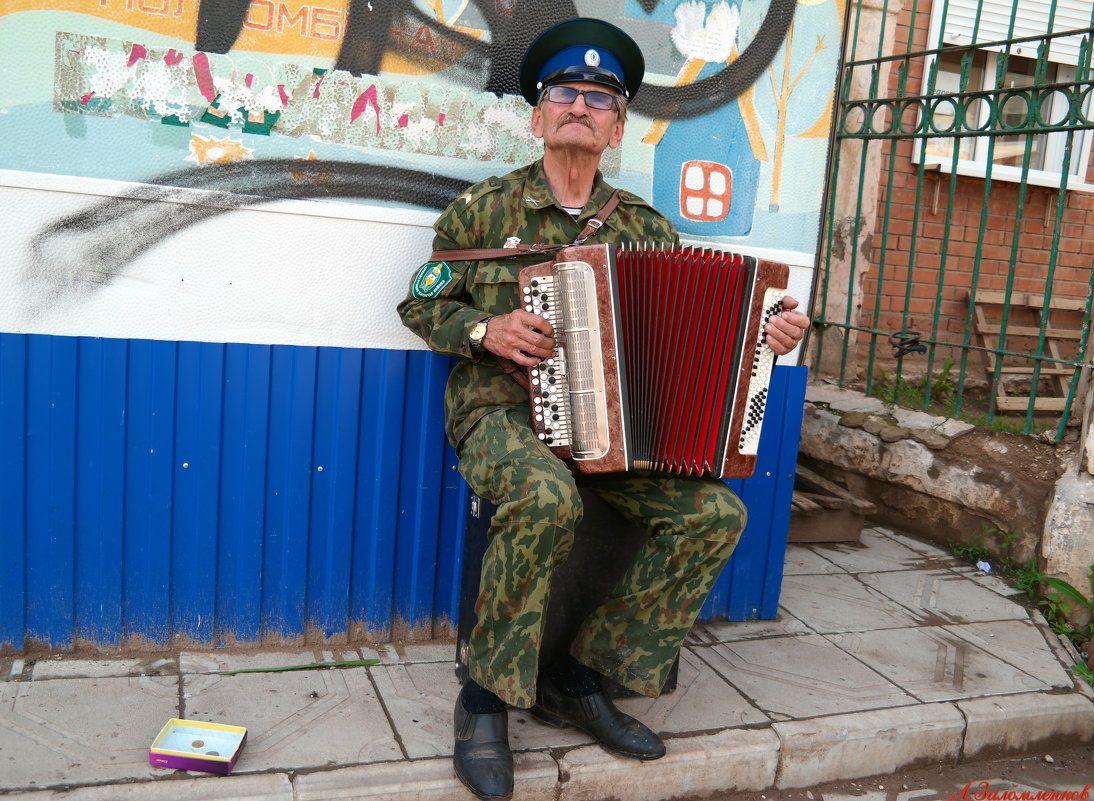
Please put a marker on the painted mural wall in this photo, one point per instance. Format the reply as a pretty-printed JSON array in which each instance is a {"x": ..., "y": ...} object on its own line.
[
  {"x": 213, "y": 427},
  {"x": 267, "y": 171}
]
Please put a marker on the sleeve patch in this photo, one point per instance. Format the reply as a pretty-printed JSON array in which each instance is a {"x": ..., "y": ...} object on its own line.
[{"x": 432, "y": 277}]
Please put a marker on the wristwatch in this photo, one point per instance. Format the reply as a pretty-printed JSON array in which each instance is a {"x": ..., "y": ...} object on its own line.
[{"x": 477, "y": 333}]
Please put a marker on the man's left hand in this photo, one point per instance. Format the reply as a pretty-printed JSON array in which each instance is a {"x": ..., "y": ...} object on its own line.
[{"x": 786, "y": 329}]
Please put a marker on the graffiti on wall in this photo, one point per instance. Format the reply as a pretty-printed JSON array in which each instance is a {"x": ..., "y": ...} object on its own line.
[{"x": 401, "y": 103}]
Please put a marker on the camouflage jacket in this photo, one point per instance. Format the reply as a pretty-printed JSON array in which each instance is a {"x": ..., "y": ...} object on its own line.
[{"x": 446, "y": 298}]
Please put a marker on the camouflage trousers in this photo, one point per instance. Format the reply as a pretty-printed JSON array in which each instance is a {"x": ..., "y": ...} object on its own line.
[{"x": 693, "y": 524}]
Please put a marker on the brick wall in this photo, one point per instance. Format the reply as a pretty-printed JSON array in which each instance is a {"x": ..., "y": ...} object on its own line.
[{"x": 915, "y": 215}]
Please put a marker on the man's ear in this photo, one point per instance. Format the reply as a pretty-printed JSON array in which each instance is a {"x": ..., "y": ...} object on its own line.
[
  {"x": 537, "y": 123},
  {"x": 616, "y": 138}
]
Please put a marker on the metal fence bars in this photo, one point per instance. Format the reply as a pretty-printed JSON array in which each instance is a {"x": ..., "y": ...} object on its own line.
[{"x": 959, "y": 189}]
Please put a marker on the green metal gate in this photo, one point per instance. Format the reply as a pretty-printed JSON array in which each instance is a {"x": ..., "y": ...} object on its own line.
[{"x": 956, "y": 267}]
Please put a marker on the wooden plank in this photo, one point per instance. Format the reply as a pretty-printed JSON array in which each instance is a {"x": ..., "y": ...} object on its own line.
[
  {"x": 1028, "y": 300},
  {"x": 1020, "y": 403},
  {"x": 814, "y": 481},
  {"x": 1045, "y": 371},
  {"x": 1029, "y": 331}
]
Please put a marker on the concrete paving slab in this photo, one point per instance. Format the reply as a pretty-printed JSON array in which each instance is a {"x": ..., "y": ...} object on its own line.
[
  {"x": 831, "y": 604},
  {"x": 873, "y": 553},
  {"x": 798, "y": 677},
  {"x": 942, "y": 596},
  {"x": 102, "y": 668},
  {"x": 1015, "y": 724},
  {"x": 11, "y": 669},
  {"x": 804, "y": 560},
  {"x": 535, "y": 778},
  {"x": 849, "y": 403},
  {"x": 930, "y": 550},
  {"x": 217, "y": 661},
  {"x": 420, "y": 698},
  {"x": 729, "y": 761},
  {"x": 884, "y": 741},
  {"x": 1019, "y": 643},
  {"x": 783, "y": 626},
  {"x": 76, "y": 731},
  {"x": 268, "y": 787},
  {"x": 992, "y": 582},
  {"x": 933, "y": 664},
  {"x": 702, "y": 701},
  {"x": 820, "y": 392},
  {"x": 406, "y": 653},
  {"x": 295, "y": 720}
]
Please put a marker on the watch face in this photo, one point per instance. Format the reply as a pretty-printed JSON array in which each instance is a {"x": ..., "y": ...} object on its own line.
[{"x": 478, "y": 331}]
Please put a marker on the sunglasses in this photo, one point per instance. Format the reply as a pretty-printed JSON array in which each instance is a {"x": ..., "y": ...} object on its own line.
[{"x": 566, "y": 95}]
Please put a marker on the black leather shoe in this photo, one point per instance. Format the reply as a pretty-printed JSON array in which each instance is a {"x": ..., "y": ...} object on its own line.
[
  {"x": 597, "y": 716},
  {"x": 482, "y": 757}
]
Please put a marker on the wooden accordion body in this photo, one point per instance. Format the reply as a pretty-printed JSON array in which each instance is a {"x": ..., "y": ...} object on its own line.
[{"x": 660, "y": 360}]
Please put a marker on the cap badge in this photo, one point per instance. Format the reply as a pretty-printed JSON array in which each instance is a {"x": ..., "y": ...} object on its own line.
[{"x": 592, "y": 58}]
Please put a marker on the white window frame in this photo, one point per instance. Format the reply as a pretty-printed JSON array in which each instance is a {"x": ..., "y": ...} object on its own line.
[{"x": 1062, "y": 57}]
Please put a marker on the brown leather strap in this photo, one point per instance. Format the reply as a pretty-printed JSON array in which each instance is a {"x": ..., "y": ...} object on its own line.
[
  {"x": 594, "y": 223},
  {"x": 474, "y": 254}
]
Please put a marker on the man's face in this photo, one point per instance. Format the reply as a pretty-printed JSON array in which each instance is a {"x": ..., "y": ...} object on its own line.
[{"x": 576, "y": 127}]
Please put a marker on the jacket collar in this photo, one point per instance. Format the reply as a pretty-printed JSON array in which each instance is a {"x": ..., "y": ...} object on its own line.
[{"x": 537, "y": 193}]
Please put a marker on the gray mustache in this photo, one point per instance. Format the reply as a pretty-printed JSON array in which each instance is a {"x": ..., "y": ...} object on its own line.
[{"x": 574, "y": 118}]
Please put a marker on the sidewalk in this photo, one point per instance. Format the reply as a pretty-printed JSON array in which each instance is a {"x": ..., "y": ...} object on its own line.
[{"x": 886, "y": 655}]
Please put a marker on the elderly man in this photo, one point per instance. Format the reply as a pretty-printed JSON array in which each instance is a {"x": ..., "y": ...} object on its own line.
[{"x": 579, "y": 76}]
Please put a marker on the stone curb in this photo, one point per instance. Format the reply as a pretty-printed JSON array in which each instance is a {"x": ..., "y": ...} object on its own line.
[
  {"x": 536, "y": 778},
  {"x": 732, "y": 760},
  {"x": 1015, "y": 724},
  {"x": 264, "y": 787},
  {"x": 786, "y": 755},
  {"x": 860, "y": 744}
]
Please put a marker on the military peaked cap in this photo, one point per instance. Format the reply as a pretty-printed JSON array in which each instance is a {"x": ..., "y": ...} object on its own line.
[{"x": 582, "y": 49}]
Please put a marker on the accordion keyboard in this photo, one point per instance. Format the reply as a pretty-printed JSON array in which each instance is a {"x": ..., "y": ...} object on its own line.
[
  {"x": 763, "y": 361},
  {"x": 568, "y": 389},
  {"x": 548, "y": 378}
]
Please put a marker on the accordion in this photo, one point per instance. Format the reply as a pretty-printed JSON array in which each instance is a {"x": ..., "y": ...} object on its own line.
[{"x": 660, "y": 360}]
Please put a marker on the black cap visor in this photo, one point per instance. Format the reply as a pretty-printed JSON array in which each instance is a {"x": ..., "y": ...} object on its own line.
[{"x": 586, "y": 75}]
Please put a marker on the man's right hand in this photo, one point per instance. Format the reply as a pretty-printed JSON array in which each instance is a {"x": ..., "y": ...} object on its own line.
[{"x": 514, "y": 336}]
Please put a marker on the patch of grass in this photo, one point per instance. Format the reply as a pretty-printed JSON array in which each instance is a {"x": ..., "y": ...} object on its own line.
[
  {"x": 919, "y": 391},
  {"x": 938, "y": 396}
]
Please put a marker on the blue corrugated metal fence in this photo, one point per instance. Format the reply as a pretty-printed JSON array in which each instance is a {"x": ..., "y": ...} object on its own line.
[{"x": 165, "y": 493}]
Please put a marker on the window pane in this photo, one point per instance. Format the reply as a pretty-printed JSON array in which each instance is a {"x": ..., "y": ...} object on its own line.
[
  {"x": 948, "y": 82},
  {"x": 1016, "y": 113}
]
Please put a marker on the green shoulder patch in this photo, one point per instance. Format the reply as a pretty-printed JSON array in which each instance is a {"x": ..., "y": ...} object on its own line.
[{"x": 432, "y": 277}]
